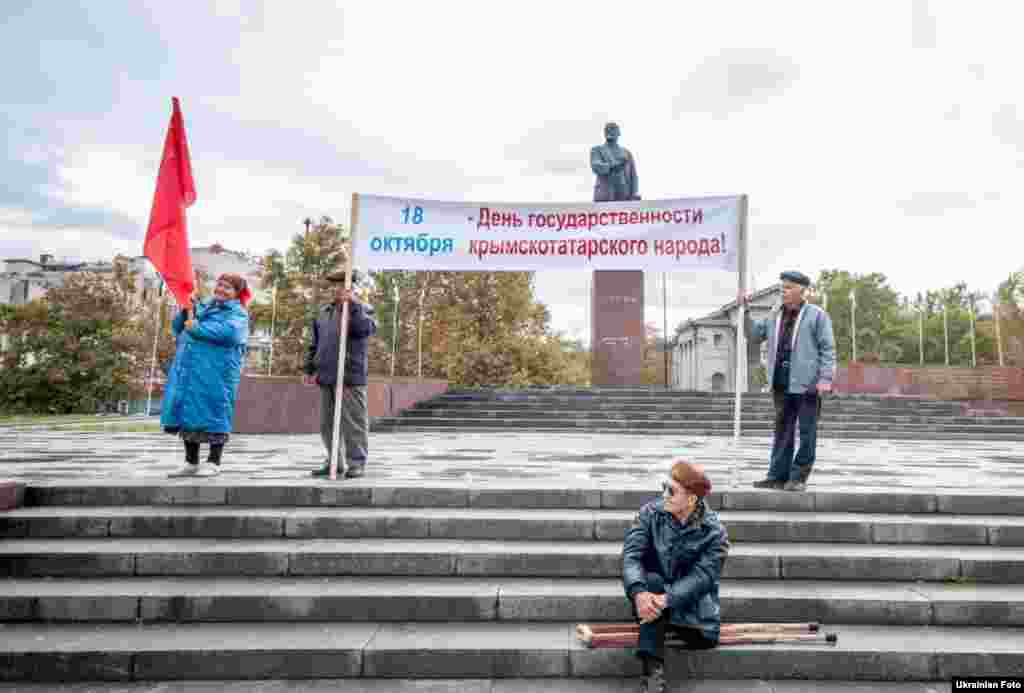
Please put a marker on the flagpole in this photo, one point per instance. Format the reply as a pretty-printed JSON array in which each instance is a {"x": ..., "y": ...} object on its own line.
[
  {"x": 339, "y": 387},
  {"x": 853, "y": 323},
  {"x": 945, "y": 329},
  {"x": 974, "y": 349},
  {"x": 394, "y": 328},
  {"x": 156, "y": 340},
  {"x": 273, "y": 320},
  {"x": 999, "y": 338},
  {"x": 920, "y": 332}
]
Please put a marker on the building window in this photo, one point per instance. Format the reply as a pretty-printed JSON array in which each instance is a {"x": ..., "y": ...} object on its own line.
[
  {"x": 718, "y": 382},
  {"x": 718, "y": 340}
]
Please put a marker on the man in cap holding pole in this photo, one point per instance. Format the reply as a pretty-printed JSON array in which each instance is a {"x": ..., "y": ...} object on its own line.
[
  {"x": 321, "y": 369},
  {"x": 802, "y": 363}
]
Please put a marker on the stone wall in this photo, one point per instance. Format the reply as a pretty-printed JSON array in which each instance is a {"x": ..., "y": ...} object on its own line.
[
  {"x": 284, "y": 405},
  {"x": 954, "y": 383}
]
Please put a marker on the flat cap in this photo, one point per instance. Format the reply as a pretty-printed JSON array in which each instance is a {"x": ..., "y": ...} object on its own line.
[
  {"x": 691, "y": 477},
  {"x": 339, "y": 276},
  {"x": 796, "y": 277}
]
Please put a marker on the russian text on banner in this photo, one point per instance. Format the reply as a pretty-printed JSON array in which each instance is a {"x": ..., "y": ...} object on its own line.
[{"x": 659, "y": 235}]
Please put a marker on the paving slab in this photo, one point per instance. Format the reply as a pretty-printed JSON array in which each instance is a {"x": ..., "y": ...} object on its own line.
[{"x": 572, "y": 463}]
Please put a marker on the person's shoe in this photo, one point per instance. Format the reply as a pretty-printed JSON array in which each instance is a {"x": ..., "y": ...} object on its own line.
[
  {"x": 188, "y": 470},
  {"x": 207, "y": 469},
  {"x": 355, "y": 472},
  {"x": 795, "y": 486},
  {"x": 653, "y": 680},
  {"x": 323, "y": 472},
  {"x": 770, "y": 484}
]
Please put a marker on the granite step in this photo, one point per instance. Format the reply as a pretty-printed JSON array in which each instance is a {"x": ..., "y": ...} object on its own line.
[
  {"x": 674, "y": 414},
  {"x": 442, "y": 599},
  {"x": 491, "y": 524},
  {"x": 629, "y": 497},
  {"x": 254, "y": 651},
  {"x": 475, "y": 419},
  {"x": 466, "y": 558},
  {"x": 514, "y": 685},
  {"x": 454, "y": 426}
]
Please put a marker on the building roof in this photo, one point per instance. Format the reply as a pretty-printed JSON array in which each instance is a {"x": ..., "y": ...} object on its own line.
[{"x": 720, "y": 317}]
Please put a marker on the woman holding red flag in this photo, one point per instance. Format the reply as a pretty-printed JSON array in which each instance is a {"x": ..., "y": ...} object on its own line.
[{"x": 199, "y": 400}]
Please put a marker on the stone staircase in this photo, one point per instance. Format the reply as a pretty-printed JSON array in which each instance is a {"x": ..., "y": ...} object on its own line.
[
  {"x": 654, "y": 410},
  {"x": 371, "y": 580}
]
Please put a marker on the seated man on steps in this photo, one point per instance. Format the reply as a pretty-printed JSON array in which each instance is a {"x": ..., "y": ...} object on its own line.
[{"x": 672, "y": 561}]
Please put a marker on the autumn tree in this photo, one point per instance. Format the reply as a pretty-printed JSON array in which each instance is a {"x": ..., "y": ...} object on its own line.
[{"x": 298, "y": 278}]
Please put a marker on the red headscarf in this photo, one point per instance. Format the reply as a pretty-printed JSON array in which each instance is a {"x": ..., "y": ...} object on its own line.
[{"x": 240, "y": 286}]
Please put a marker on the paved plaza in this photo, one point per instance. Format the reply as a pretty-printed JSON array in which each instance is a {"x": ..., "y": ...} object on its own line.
[{"x": 517, "y": 458}]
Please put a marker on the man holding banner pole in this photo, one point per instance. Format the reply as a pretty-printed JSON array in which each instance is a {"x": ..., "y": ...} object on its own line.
[
  {"x": 802, "y": 363},
  {"x": 340, "y": 368}
]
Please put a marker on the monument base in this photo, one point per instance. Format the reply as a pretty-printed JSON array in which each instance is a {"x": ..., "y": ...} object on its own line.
[{"x": 617, "y": 328}]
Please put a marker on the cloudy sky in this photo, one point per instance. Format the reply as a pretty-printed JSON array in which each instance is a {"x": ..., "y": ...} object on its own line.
[{"x": 874, "y": 136}]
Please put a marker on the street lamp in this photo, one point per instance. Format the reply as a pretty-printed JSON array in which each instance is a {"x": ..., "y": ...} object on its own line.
[
  {"x": 920, "y": 330},
  {"x": 974, "y": 351}
]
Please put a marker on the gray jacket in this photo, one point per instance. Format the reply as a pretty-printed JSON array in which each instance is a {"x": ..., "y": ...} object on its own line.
[{"x": 813, "y": 358}]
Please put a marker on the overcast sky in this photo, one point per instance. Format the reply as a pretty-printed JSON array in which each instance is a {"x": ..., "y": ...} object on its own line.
[{"x": 872, "y": 136}]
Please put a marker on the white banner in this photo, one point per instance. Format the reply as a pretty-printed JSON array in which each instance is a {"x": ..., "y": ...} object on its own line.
[{"x": 663, "y": 235}]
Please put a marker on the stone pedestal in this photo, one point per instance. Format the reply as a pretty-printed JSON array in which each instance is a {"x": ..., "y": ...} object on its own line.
[{"x": 617, "y": 327}]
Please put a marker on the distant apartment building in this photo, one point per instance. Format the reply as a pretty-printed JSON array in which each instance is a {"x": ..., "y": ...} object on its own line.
[{"x": 25, "y": 280}]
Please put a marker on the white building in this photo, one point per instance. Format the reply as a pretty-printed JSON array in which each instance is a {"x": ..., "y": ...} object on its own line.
[
  {"x": 23, "y": 280},
  {"x": 704, "y": 356}
]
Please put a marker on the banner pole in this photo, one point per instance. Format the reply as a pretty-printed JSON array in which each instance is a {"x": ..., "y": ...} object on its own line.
[
  {"x": 741, "y": 337},
  {"x": 339, "y": 386}
]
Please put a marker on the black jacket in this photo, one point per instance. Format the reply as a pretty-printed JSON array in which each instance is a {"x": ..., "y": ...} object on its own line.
[{"x": 322, "y": 355}]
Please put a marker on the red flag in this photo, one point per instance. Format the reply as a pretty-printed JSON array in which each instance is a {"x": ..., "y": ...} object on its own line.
[{"x": 166, "y": 243}]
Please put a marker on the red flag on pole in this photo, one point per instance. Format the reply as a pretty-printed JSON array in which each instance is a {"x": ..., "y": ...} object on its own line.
[{"x": 166, "y": 243}]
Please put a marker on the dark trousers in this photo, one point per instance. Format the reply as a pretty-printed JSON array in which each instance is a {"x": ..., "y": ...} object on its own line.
[
  {"x": 792, "y": 411},
  {"x": 652, "y": 635}
]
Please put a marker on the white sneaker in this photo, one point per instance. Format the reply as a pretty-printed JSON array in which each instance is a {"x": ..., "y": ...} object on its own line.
[
  {"x": 208, "y": 469},
  {"x": 187, "y": 470}
]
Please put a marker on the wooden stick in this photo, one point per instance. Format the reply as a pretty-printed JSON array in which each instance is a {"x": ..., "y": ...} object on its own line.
[
  {"x": 624, "y": 640},
  {"x": 342, "y": 345},
  {"x": 726, "y": 628}
]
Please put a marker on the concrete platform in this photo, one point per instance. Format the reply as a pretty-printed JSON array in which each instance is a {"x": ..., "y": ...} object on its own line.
[{"x": 563, "y": 461}]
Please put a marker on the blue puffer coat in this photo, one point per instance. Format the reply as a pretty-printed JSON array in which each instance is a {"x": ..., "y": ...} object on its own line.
[
  {"x": 203, "y": 381},
  {"x": 660, "y": 553}
]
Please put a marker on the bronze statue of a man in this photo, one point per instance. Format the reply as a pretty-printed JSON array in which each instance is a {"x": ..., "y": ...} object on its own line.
[{"x": 615, "y": 169}]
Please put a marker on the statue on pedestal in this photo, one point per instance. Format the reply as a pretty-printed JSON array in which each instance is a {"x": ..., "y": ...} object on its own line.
[
  {"x": 615, "y": 169},
  {"x": 617, "y": 296}
]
